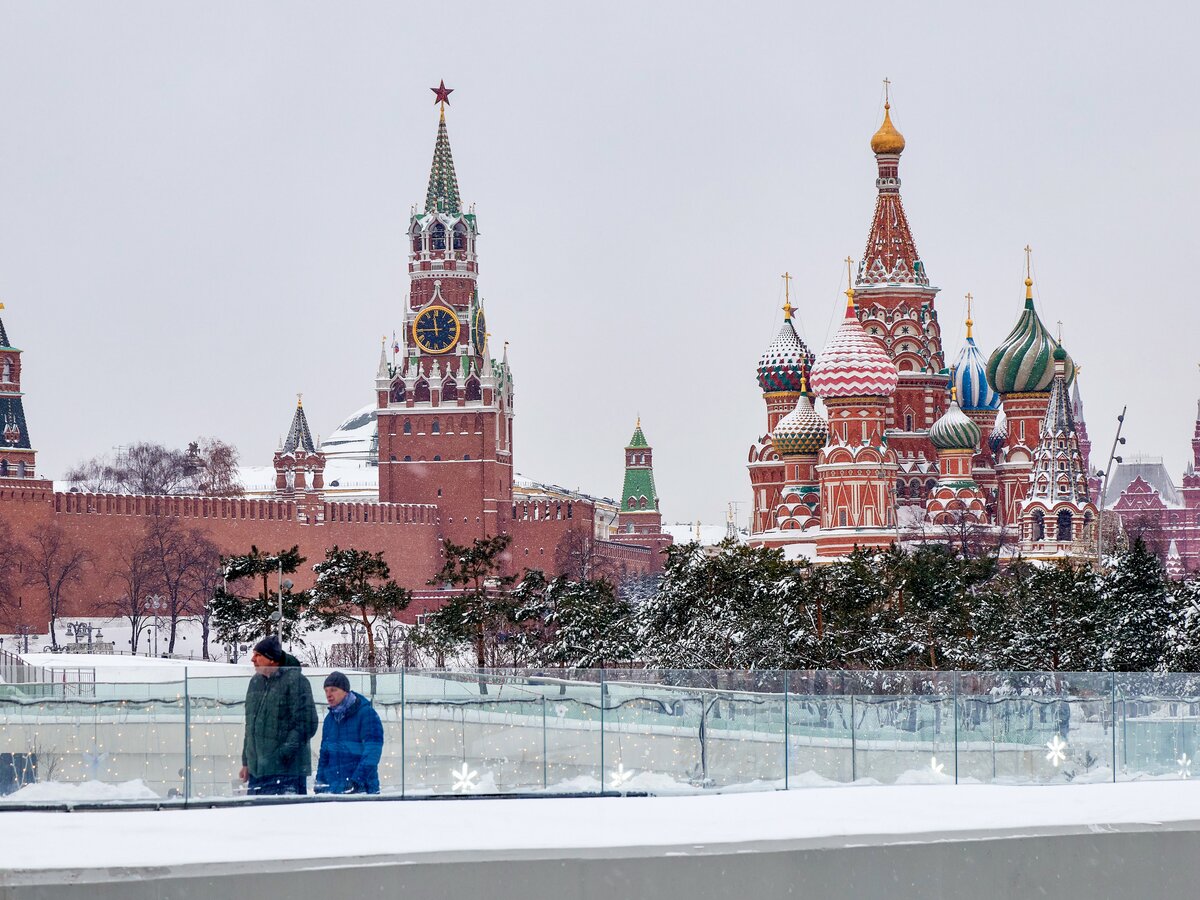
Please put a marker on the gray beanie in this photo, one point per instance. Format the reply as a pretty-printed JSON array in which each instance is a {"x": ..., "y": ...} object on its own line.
[{"x": 338, "y": 680}]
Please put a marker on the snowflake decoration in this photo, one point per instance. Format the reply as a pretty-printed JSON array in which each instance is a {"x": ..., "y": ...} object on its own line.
[
  {"x": 560, "y": 709},
  {"x": 95, "y": 760},
  {"x": 936, "y": 767},
  {"x": 619, "y": 776},
  {"x": 1185, "y": 766},
  {"x": 1056, "y": 746},
  {"x": 464, "y": 780}
]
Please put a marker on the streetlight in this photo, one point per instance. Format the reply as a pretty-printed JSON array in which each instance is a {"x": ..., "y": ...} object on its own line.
[
  {"x": 1112, "y": 457},
  {"x": 155, "y": 603},
  {"x": 277, "y": 616}
]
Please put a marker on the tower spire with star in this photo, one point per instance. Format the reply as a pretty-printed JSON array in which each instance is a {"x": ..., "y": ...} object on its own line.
[{"x": 442, "y": 195}]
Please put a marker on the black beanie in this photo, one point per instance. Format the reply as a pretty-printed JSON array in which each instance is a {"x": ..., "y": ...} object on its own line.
[
  {"x": 338, "y": 680},
  {"x": 270, "y": 648}
]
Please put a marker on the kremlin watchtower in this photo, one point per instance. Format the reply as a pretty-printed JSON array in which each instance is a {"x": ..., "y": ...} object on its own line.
[
  {"x": 17, "y": 456},
  {"x": 445, "y": 407}
]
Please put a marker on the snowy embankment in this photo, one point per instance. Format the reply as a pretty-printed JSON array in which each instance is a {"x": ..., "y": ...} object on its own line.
[{"x": 463, "y": 829}]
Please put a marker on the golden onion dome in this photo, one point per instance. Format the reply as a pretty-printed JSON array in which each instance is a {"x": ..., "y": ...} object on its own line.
[{"x": 887, "y": 140}]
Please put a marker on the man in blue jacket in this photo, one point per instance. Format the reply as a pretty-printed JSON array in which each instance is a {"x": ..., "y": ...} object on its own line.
[{"x": 351, "y": 741}]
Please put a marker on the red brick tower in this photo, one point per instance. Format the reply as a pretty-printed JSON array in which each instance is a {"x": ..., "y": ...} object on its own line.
[
  {"x": 17, "y": 456},
  {"x": 300, "y": 467},
  {"x": 857, "y": 468},
  {"x": 895, "y": 305},
  {"x": 446, "y": 407},
  {"x": 640, "y": 520}
]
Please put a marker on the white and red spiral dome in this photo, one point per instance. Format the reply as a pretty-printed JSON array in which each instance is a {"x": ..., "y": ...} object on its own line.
[{"x": 853, "y": 364}]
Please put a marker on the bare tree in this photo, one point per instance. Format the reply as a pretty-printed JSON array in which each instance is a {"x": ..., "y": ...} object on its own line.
[
  {"x": 55, "y": 564},
  {"x": 205, "y": 578},
  {"x": 179, "y": 554},
  {"x": 207, "y": 466},
  {"x": 135, "y": 576},
  {"x": 11, "y": 556}
]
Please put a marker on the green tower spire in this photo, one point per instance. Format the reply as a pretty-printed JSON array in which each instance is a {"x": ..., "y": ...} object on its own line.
[
  {"x": 639, "y": 475},
  {"x": 442, "y": 195}
]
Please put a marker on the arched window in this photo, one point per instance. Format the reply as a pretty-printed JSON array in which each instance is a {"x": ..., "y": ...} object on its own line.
[
  {"x": 467, "y": 457},
  {"x": 473, "y": 390},
  {"x": 1039, "y": 526},
  {"x": 1064, "y": 525},
  {"x": 397, "y": 395},
  {"x": 479, "y": 423},
  {"x": 449, "y": 389},
  {"x": 632, "y": 502},
  {"x": 570, "y": 510},
  {"x": 7, "y": 376},
  {"x": 460, "y": 236},
  {"x": 406, "y": 459},
  {"x": 408, "y": 426},
  {"x": 21, "y": 469},
  {"x": 3, "y": 468},
  {"x": 642, "y": 503},
  {"x": 416, "y": 240},
  {"x": 438, "y": 235},
  {"x": 462, "y": 425},
  {"x": 908, "y": 422},
  {"x": 421, "y": 392},
  {"x": 437, "y": 458},
  {"x": 435, "y": 427}
]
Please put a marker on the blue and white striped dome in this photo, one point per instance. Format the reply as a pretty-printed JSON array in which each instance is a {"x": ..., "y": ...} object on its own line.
[{"x": 970, "y": 379}]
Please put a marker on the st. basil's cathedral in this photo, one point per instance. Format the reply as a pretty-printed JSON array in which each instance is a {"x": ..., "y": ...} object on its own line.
[{"x": 908, "y": 448}]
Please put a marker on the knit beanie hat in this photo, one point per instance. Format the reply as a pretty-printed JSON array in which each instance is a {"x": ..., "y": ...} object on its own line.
[
  {"x": 270, "y": 648},
  {"x": 338, "y": 680}
]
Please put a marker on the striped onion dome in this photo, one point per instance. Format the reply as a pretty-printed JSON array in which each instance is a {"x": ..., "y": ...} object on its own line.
[
  {"x": 970, "y": 379},
  {"x": 800, "y": 431},
  {"x": 853, "y": 364},
  {"x": 954, "y": 431},
  {"x": 999, "y": 432},
  {"x": 1024, "y": 363},
  {"x": 785, "y": 362}
]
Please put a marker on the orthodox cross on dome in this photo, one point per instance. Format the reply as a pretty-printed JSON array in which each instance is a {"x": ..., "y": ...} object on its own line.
[
  {"x": 969, "y": 322},
  {"x": 299, "y": 401},
  {"x": 787, "y": 295},
  {"x": 849, "y": 285},
  {"x": 887, "y": 83}
]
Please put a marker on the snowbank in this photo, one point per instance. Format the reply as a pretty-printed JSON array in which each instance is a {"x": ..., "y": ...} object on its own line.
[{"x": 85, "y": 792}]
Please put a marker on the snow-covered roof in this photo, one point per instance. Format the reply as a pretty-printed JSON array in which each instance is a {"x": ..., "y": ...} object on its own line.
[
  {"x": 707, "y": 535},
  {"x": 1152, "y": 471}
]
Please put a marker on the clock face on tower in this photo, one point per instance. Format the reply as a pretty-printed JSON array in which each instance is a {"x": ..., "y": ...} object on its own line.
[
  {"x": 479, "y": 332},
  {"x": 436, "y": 329}
]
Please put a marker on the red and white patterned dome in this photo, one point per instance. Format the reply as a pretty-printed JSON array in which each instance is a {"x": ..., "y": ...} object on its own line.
[{"x": 853, "y": 364}]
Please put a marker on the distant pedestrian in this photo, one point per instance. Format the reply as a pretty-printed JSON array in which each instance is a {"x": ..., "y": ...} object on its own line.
[
  {"x": 281, "y": 720},
  {"x": 351, "y": 741}
]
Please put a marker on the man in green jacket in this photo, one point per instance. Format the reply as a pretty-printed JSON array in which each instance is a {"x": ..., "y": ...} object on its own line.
[{"x": 281, "y": 719}]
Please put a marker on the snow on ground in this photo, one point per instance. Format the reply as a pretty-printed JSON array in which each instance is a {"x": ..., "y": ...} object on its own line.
[
  {"x": 34, "y": 840},
  {"x": 84, "y": 792},
  {"x": 113, "y": 669}
]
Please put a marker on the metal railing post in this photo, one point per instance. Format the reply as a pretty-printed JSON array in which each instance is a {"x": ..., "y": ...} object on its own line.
[
  {"x": 954, "y": 685},
  {"x": 403, "y": 753},
  {"x": 786, "y": 734},
  {"x": 187, "y": 739},
  {"x": 601, "y": 731}
]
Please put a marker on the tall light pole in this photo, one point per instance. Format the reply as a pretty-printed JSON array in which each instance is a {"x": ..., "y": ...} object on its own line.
[
  {"x": 156, "y": 604},
  {"x": 1112, "y": 457},
  {"x": 278, "y": 614}
]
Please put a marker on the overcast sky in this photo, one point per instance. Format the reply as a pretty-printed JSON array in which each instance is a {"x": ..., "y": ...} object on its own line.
[{"x": 203, "y": 205}]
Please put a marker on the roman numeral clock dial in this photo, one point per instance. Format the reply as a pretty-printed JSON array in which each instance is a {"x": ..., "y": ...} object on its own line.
[{"x": 436, "y": 329}]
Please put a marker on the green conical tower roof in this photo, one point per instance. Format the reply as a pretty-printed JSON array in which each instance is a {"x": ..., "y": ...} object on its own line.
[
  {"x": 639, "y": 477},
  {"x": 442, "y": 195},
  {"x": 638, "y": 439},
  {"x": 4, "y": 335}
]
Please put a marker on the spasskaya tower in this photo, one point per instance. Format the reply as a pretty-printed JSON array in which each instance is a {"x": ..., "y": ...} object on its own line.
[{"x": 445, "y": 406}]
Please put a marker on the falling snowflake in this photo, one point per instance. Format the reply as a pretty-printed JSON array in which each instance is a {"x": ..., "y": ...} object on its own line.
[
  {"x": 1056, "y": 746},
  {"x": 937, "y": 767},
  {"x": 619, "y": 776},
  {"x": 464, "y": 780},
  {"x": 1185, "y": 766}
]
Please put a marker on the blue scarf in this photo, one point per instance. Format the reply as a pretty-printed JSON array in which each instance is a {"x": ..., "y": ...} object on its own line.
[{"x": 339, "y": 711}]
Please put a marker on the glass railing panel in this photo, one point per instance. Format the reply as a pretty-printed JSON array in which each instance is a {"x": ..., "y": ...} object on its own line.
[
  {"x": 1158, "y": 725},
  {"x": 820, "y": 728},
  {"x": 66, "y": 741}
]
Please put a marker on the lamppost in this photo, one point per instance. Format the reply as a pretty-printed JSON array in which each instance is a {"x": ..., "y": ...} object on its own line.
[
  {"x": 1112, "y": 457},
  {"x": 155, "y": 604},
  {"x": 277, "y": 616}
]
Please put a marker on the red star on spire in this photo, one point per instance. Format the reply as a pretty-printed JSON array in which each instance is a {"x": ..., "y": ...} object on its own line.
[{"x": 441, "y": 93}]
